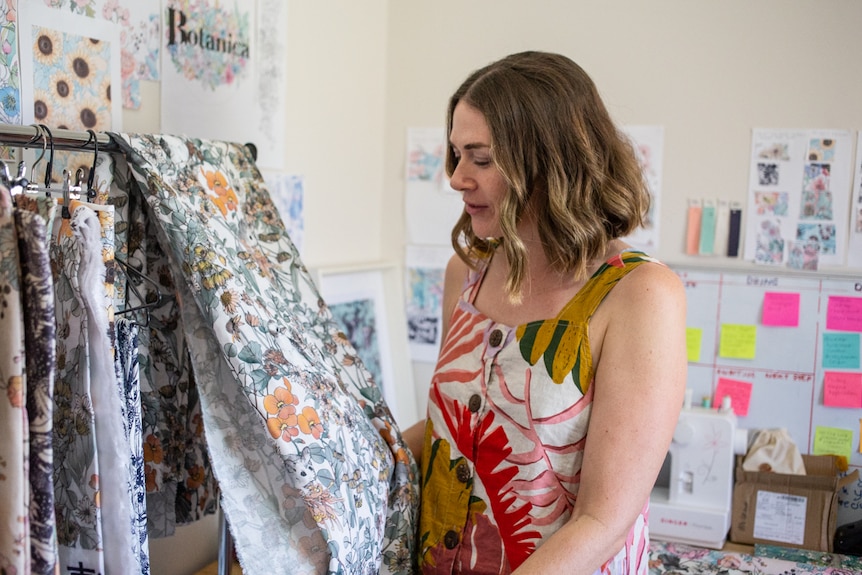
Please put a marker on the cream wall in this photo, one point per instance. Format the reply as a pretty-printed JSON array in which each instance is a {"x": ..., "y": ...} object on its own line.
[{"x": 361, "y": 73}]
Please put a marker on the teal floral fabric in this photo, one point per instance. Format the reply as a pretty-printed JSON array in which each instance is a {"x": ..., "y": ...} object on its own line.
[{"x": 313, "y": 472}]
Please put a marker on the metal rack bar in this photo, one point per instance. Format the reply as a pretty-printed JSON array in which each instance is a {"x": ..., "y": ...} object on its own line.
[{"x": 29, "y": 136}]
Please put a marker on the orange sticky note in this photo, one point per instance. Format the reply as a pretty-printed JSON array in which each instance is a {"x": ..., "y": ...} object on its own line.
[
  {"x": 739, "y": 392},
  {"x": 781, "y": 309},
  {"x": 842, "y": 389}
]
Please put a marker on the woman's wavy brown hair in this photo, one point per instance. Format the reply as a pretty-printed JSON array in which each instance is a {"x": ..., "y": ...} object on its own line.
[{"x": 552, "y": 138}]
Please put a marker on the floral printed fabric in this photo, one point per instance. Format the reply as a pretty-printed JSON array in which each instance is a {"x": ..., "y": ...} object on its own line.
[
  {"x": 679, "y": 559},
  {"x": 180, "y": 485},
  {"x": 14, "y": 495},
  {"x": 127, "y": 374},
  {"x": 40, "y": 350},
  {"x": 508, "y": 415},
  {"x": 312, "y": 469}
]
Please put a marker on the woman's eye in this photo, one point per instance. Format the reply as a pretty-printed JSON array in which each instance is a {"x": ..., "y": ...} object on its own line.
[{"x": 482, "y": 162}]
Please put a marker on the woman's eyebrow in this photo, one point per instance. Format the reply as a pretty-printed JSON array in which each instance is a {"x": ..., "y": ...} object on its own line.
[{"x": 472, "y": 146}]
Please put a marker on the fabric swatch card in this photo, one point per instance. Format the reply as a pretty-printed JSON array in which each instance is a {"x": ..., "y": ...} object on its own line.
[
  {"x": 692, "y": 243},
  {"x": 707, "y": 228}
]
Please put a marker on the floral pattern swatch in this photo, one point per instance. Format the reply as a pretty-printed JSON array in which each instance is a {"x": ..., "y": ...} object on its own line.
[{"x": 312, "y": 468}]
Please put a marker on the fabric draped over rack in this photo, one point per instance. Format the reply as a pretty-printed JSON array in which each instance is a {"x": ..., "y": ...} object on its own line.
[{"x": 229, "y": 381}]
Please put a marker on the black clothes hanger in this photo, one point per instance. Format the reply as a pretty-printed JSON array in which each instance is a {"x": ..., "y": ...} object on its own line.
[{"x": 135, "y": 278}]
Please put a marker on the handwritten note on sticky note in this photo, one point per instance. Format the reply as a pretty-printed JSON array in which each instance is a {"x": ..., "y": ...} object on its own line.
[
  {"x": 833, "y": 441},
  {"x": 739, "y": 341},
  {"x": 841, "y": 350},
  {"x": 844, "y": 313},
  {"x": 781, "y": 309},
  {"x": 842, "y": 389},
  {"x": 739, "y": 392},
  {"x": 693, "y": 338}
]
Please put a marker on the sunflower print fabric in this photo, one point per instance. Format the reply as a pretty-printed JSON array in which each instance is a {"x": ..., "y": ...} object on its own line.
[
  {"x": 508, "y": 413},
  {"x": 313, "y": 473}
]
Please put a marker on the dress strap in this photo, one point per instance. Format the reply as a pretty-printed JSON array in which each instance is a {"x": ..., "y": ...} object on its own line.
[
  {"x": 475, "y": 278},
  {"x": 588, "y": 298}
]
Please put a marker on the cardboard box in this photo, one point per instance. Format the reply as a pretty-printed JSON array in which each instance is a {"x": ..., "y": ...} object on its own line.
[{"x": 789, "y": 510}]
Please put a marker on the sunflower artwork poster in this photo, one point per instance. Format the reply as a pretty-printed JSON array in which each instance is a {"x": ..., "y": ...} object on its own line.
[{"x": 72, "y": 66}]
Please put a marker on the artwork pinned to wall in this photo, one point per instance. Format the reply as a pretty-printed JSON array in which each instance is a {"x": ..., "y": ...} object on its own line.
[
  {"x": 10, "y": 78},
  {"x": 648, "y": 142},
  {"x": 432, "y": 206},
  {"x": 424, "y": 288},
  {"x": 798, "y": 192},
  {"x": 854, "y": 251},
  {"x": 216, "y": 61},
  {"x": 71, "y": 68},
  {"x": 287, "y": 193}
]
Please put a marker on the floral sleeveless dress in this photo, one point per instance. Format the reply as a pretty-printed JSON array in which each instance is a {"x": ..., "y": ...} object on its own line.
[{"x": 508, "y": 413}]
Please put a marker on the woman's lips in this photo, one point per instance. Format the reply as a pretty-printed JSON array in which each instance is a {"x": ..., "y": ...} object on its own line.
[{"x": 473, "y": 209}]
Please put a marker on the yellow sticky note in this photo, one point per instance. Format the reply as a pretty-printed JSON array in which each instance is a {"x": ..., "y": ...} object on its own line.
[
  {"x": 833, "y": 441},
  {"x": 860, "y": 436},
  {"x": 693, "y": 337},
  {"x": 739, "y": 341}
]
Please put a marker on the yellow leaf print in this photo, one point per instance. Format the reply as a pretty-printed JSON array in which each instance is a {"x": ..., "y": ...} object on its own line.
[{"x": 443, "y": 486}]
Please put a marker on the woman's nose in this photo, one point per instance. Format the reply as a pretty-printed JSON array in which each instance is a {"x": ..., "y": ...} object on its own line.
[{"x": 459, "y": 180}]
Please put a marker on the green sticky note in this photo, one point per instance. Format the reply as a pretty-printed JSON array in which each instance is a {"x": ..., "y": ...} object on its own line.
[
  {"x": 738, "y": 341},
  {"x": 693, "y": 337},
  {"x": 833, "y": 441}
]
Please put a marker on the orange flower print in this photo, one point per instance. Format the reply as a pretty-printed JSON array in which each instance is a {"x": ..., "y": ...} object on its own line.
[
  {"x": 225, "y": 199},
  {"x": 153, "y": 449},
  {"x": 309, "y": 422},
  {"x": 281, "y": 401},
  {"x": 15, "y": 391},
  {"x": 196, "y": 477},
  {"x": 285, "y": 427},
  {"x": 150, "y": 478}
]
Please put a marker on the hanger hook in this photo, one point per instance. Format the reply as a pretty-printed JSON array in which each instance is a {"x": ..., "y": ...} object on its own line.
[
  {"x": 39, "y": 135},
  {"x": 51, "y": 157},
  {"x": 91, "y": 193},
  {"x": 66, "y": 212}
]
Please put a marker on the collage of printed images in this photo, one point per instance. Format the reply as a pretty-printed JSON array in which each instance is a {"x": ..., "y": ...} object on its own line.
[{"x": 813, "y": 226}]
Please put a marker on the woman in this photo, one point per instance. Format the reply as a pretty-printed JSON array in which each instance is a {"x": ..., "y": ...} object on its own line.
[{"x": 563, "y": 364}]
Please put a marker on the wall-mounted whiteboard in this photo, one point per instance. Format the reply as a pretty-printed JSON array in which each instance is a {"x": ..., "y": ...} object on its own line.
[{"x": 788, "y": 345}]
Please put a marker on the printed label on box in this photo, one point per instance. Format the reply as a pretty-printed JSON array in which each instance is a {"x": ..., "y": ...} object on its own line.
[{"x": 780, "y": 517}]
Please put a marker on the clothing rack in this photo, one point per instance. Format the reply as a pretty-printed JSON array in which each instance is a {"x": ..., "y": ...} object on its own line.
[{"x": 32, "y": 136}]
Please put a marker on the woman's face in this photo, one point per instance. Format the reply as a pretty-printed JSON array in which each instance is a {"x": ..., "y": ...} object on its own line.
[{"x": 481, "y": 184}]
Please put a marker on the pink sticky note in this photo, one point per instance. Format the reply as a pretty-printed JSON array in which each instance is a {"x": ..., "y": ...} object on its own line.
[
  {"x": 739, "y": 392},
  {"x": 842, "y": 389},
  {"x": 781, "y": 309},
  {"x": 844, "y": 313}
]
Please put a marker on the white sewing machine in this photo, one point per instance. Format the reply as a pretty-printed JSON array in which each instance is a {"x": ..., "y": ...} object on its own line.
[{"x": 691, "y": 500}]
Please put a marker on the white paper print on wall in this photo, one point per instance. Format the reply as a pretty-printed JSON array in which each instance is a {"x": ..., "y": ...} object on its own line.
[
  {"x": 648, "y": 142},
  {"x": 211, "y": 85},
  {"x": 432, "y": 206},
  {"x": 799, "y": 182},
  {"x": 854, "y": 251}
]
